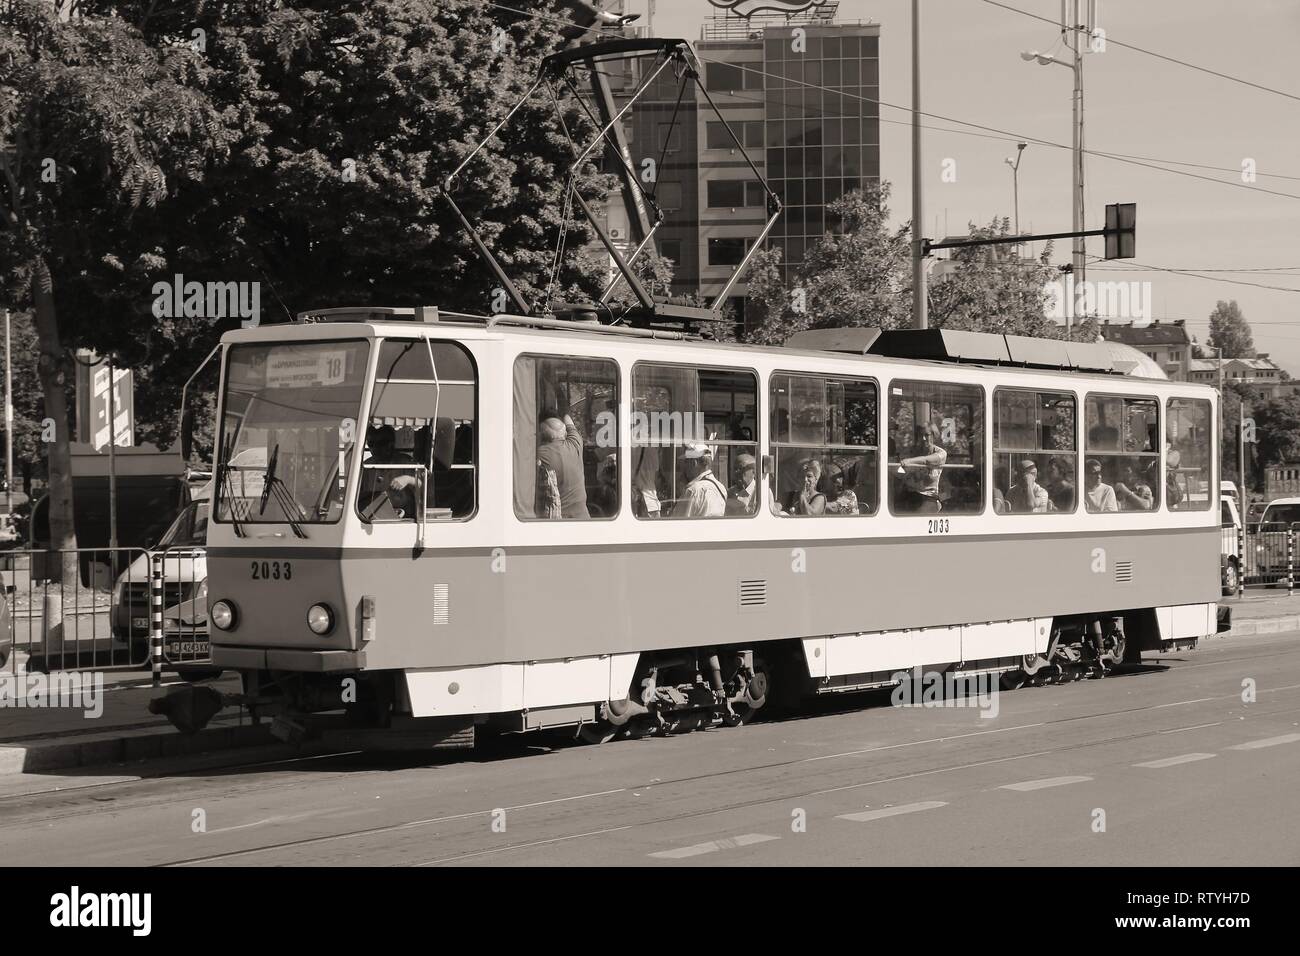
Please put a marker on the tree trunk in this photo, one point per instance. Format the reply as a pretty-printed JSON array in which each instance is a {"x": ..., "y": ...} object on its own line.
[{"x": 53, "y": 373}]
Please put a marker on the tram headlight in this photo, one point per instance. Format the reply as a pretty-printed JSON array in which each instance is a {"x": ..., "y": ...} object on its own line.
[
  {"x": 320, "y": 619},
  {"x": 223, "y": 615}
]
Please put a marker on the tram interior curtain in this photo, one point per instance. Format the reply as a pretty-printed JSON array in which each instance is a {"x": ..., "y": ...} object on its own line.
[{"x": 525, "y": 435}]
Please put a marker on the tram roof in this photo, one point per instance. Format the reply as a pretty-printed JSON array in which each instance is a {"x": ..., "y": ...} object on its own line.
[{"x": 932, "y": 348}]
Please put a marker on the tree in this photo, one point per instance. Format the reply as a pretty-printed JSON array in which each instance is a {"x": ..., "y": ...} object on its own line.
[
  {"x": 857, "y": 277},
  {"x": 298, "y": 146},
  {"x": 1230, "y": 331},
  {"x": 991, "y": 289},
  {"x": 94, "y": 125},
  {"x": 1277, "y": 431}
]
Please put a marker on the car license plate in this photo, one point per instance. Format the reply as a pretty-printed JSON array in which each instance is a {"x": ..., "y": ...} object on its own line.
[
  {"x": 188, "y": 650},
  {"x": 139, "y": 622}
]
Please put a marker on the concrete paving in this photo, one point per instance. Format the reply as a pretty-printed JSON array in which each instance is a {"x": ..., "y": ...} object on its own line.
[{"x": 1194, "y": 759}]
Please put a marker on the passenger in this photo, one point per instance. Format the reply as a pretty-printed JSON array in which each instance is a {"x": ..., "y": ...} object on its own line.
[
  {"x": 921, "y": 473},
  {"x": 1099, "y": 495},
  {"x": 1028, "y": 496},
  {"x": 810, "y": 501},
  {"x": 1174, "y": 494},
  {"x": 559, "y": 451},
  {"x": 604, "y": 498},
  {"x": 1000, "y": 505},
  {"x": 845, "y": 501},
  {"x": 1060, "y": 484},
  {"x": 706, "y": 496},
  {"x": 1133, "y": 493},
  {"x": 1001, "y": 487},
  {"x": 741, "y": 497},
  {"x": 645, "y": 483}
]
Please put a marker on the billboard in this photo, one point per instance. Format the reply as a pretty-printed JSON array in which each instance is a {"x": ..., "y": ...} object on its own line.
[{"x": 93, "y": 404}]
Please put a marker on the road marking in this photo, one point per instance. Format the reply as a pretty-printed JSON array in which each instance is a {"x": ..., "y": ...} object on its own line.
[
  {"x": 1267, "y": 742},
  {"x": 1179, "y": 730},
  {"x": 1044, "y": 784},
  {"x": 713, "y": 846},
  {"x": 523, "y": 846},
  {"x": 915, "y": 743},
  {"x": 1173, "y": 761},
  {"x": 868, "y": 815}
]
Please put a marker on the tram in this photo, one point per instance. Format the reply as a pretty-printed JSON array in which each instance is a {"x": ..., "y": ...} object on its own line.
[
  {"x": 724, "y": 527},
  {"x": 428, "y": 524}
]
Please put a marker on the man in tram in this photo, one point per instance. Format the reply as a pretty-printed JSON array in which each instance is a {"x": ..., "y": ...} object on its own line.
[
  {"x": 740, "y": 497},
  {"x": 1099, "y": 495},
  {"x": 381, "y": 449},
  {"x": 559, "y": 451},
  {"x": 921, "y": 473},
  {"x": 1133, "y": 493},
  {"x": 706, "y": 496},
  {"x": 1028, "y": 496}
]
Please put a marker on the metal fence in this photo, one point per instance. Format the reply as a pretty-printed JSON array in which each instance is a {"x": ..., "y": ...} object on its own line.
[
  {"x": 110, "y": 609},
  {"x": 1265, "y": 556}
]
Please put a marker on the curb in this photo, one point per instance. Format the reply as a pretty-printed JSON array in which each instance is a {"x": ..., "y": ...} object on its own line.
[
  {"x": 1264, "y": 625},
  {"x": 61, "y": 755}
]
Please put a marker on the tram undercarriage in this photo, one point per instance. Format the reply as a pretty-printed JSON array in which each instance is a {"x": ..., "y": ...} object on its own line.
[{"x": 671, "y": 692}]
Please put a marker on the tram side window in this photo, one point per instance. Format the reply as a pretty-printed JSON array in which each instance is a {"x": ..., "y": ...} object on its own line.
[
  {"x": 419, "y": 453},
  {"x": 1035, "y": 460},
  {"x": 694, "y": 442},
  {"x": 936, "y": 448},
  {"x": 1122, "y": 468},
  {"x": 565, "y": 437},
  {"x": 1189, "y": 435},
  {"x": 824, "y": 445}
]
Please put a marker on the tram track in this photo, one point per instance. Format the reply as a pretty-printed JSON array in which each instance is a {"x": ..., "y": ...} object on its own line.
[{"x": 660, "y": 786}]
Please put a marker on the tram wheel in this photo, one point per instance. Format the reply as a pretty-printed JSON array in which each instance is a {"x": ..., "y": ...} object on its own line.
[
  {"x": 597, "y": 732},
  {"x": 746, "y": 709},
  {"x": 1013, "y": 680}
]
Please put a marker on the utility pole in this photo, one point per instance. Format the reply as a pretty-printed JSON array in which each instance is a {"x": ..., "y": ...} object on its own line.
[
  {"x": 1241, "y": 455},
  {"x": 112, "y": 465},
  {"x": 9, "y": 421},
  {"x": 920, "y": 315},
  {"x": 1074, "y": 32}
]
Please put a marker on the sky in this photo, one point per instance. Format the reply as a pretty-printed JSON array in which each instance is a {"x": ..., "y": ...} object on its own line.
[{"x": 1135, "y": 104}]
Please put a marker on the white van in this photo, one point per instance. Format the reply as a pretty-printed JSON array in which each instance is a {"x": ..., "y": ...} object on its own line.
[{"x": 1230, "y": 543}]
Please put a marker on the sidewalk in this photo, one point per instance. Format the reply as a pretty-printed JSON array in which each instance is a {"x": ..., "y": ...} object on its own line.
[{"x": 1263, "y": 611}]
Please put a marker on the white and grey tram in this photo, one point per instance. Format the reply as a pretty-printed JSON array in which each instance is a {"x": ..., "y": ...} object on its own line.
[{"x": 398, "y": 544}]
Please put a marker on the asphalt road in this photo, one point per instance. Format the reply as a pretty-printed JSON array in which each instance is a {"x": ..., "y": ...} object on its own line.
[{"x": 1166, "y": 766}]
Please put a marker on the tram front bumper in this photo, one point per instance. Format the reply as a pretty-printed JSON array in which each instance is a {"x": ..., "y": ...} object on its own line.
[{"x": 286, "y": 659}]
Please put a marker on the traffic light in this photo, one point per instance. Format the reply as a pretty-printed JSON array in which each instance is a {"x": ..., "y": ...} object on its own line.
[{"x": 1121, "y": 230}]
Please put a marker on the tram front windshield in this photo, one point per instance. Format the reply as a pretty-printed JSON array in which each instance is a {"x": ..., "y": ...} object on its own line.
[{"x": 290, "y": 414}]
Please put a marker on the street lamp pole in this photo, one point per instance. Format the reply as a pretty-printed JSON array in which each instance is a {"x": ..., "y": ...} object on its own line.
[
  {"x": 1015, "y": 181},
  {"x": 920, "y": 316}
]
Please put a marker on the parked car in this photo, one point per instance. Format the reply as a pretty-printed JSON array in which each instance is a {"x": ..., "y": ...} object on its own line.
[
  {"x": 1229, "y": 563},
  {"x": 6, "y": 629},
  {"x": 185, "y": 574},
  {"x": 1271, "y": 539}
]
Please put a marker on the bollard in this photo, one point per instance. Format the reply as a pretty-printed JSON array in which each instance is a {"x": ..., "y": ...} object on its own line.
[
  {"x": 1241, "y": 559},
  {"x": 156, "y": 616},
  {"x": 1290, "y": 561},
  {"x": 51, "y": 625}
]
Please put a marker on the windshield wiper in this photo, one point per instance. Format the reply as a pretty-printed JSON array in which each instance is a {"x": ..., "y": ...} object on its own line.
[
  {"x": 228, "y": 486},
  {"x": 283, "y": 496}
]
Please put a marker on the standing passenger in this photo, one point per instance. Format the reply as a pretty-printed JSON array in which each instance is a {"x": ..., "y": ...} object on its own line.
[
  {"x": 560, "y": 452},
  {"x": 706, "y": 496},
  {"x": 921, "y": 473}
]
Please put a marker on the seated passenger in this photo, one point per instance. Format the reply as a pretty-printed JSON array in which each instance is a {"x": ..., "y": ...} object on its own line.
[
  {"x": 1133, "y": 493},
  {"x": 741, "y": 497},
  {"x": 706, "y": 496},
  {"x": 645, "y": 483},
  {"x": 921, "y": 473},
  {"x": 809, "y": 501},
  {"x": 845, "y": 501},
  {"x": 1028, "y": 496},
  {"x": 1000, "y": 505},
  {"x": 1099, "y": 495},
  {"x": 1060, "y": 484}
]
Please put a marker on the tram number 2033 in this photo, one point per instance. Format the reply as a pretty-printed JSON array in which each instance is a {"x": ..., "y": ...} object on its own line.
[
  {"x": 272, "y": 570},
  {"x": 936, "y": 526}
]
